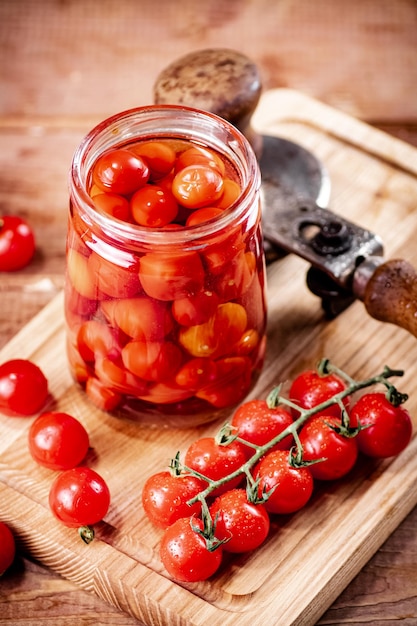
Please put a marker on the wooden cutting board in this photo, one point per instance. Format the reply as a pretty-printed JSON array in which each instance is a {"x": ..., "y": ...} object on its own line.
[{"x": 309, "y": 557}]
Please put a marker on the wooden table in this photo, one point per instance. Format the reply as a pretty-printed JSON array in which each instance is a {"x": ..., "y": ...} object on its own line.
[{"x": 66, "y": 66}]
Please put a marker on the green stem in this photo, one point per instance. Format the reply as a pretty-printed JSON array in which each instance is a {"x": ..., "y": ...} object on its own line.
[{"x": 276, "y": 399}]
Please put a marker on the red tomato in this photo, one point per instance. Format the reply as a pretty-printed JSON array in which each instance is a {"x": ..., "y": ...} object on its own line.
[
  {"x": 320, "y": 441},
  {"x": 17, "y": 243},
  {"x": 236, "y": 277},
  {"x": 115, "y": 377},
  {"x": 310, "y": 389},
  {"x": 196, "y": 309},
  {"x": 139, "y": 318},
  {"x": 58, "y": 441},
  {"x": 111, "y": 279},
  {"x": 197, "y": 186},
  {"x": 96, "y": 339},
  {"x": 23, "y": 388},
  {"x": 245, "y": 524},
  {"x": 216, "y": 461},
  {"x": 389, "y": 428},
  {"x": 159, "y": 157},
  {"x": 184, "y": 552},
  {"x": 231, "y": 192},
  {"x": 258, "y": 424},
  {"x": 114, "y": 205},
  {"x": 203, "y": 215},
  {"x": 165, "y": 497},
  {"x": 165, "y": 393},
  {"x": 218, "y": 335},
  {"x": 231, "y": 384},
  {"x": 291, "y": 487},
  {"x": 79, "y": 497},
  {"x": 103, "y": 396},
  {"x": 153, "y": 206},
  {"x": 196, "y": 374},
  {"x": 197, "y": 155},
  {"x": 120, "y": 171},
  {"x": 79, "y": 275},
  {"x": 152, "y": 360},
  {"x": 168, "y": 276},
  {"x": 7, "y": 547}
]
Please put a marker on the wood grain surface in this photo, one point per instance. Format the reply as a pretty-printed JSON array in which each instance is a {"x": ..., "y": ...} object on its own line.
[{"x": 66, "y": 65}]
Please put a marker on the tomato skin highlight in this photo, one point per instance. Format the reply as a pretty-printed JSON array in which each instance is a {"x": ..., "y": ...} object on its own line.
[
  {"x": 245, "y": 525},
  {"x": 153, "y": 206},
  {"x": 389, "y": 428},
  {"x": 165, "y": 497},
  {"x": 58, "y": 441},
  {"x": 17, "y": 243},
  {"x": 79, "y": 497},
  {"x": 309, "y": 389},
  {"x": 23, "y": 388},
  {"x": 169, "y": 276},
  {"x": 7, "y": 547},
  {"x": 256, "y": 423},
  {"x": 119, "y": 171},
  {"x": 197, "y": 186},
  {"x": 184, "y": 553},
  {"x": 320, "y": 441},
  {"x": 215, "y": 461},
  {"x": 293, "y": 486}
]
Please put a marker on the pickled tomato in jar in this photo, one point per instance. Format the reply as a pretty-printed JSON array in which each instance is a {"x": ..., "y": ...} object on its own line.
[{"x": 165, "y": 282}]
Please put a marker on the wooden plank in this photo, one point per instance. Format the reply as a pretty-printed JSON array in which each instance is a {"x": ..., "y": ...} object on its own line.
[{"x": 309, "y": 558}]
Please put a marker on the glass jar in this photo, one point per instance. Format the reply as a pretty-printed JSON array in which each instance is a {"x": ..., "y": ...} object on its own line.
[{"x": 166, "y": 324}]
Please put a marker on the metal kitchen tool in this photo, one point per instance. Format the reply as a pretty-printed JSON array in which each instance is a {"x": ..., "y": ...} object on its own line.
[{"x": 346, "y": 260}]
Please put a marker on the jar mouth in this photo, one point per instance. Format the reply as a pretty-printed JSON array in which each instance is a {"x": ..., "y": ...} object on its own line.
[{"x": 169, "y": 122}]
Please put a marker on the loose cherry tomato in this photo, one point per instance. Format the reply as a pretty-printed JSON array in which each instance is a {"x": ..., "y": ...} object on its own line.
[
  {"x": 258, "y": 424},
  {"x": 310, "y": 389},
  {"x": 114, "y": 205},
  {"x": 197, "y": 186},
  {"x": 388, "y": 428},
  {"x": 17, "y": 243},
  {"x": 159, "y": 157},
  {"x": 58, "y": 440},
  {"x": 79, "y": 497},
  {"x": 320, "y": 439},
  {"x": 7, "y": 547},
  {"x": 168, "y": 276},
  {"x": 215, "y": 461},
  {"x": 290, "y": 487},
  {"x": 120, "y": 171},
  {"x": 153, "y": 206},
  {"x": 184, "y": 552},
  {"x": 244, "y": 524},
  {"x": 23, "y": 388},
  {"x": 165, "y": 497}
]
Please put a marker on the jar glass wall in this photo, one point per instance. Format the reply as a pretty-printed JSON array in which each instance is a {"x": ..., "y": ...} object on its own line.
[{"x": 165, "y": 320}]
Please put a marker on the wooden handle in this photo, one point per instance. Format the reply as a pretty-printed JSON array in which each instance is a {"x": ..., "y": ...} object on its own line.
[
  {"x": 220, "y": 81},
  {"x": 390, "y": 295}
]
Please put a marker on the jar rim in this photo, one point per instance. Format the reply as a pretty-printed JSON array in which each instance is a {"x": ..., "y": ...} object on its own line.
[{"x": 117, "y": 128}]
